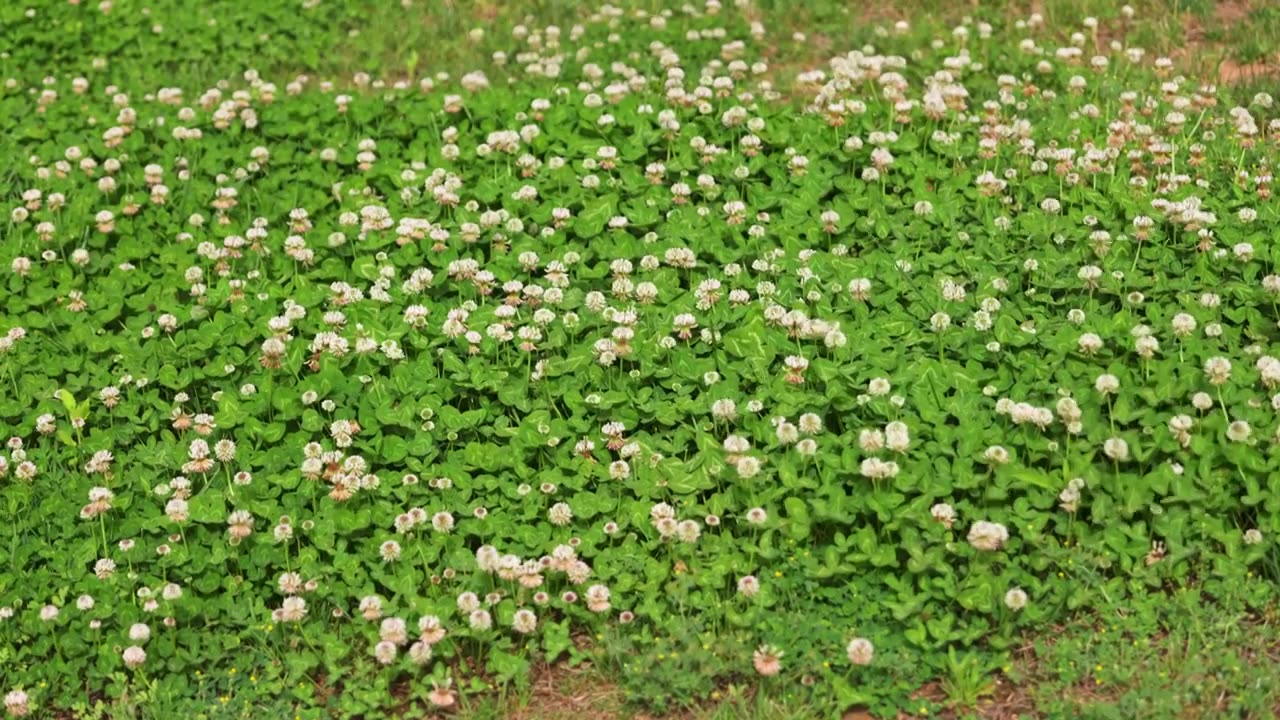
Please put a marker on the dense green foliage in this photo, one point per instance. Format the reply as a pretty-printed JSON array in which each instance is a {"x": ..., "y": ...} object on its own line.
[{"x": 338, "y": 401}]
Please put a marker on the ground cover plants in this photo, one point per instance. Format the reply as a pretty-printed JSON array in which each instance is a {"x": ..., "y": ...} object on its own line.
[{"x": 375, "y": 396}]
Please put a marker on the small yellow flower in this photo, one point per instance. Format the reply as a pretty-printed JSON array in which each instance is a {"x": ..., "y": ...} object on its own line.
[{"x": 777, "y": 573}]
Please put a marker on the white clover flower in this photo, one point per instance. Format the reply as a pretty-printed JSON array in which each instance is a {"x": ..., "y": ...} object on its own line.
[
  {"x": 860, "y": 651},
  {"x": 996, "y": 455},
  {"x": 560, "y": 514},
  {"x": 943, "y": 513},
  {"x": 1217, "y": 370},
  {"x": 988, "y": 536},
  {"x": 134, "y": 657},
  {"x": 725, "y": 410},
  {"x": 1239, "y": 431},
  {"x": 1116, "y": 449},
  {"x": 1106, "y": 384}
]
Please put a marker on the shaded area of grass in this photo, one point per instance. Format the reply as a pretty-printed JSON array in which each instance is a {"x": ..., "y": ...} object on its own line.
[
  {"x": 1194, "y": 655},
  {"x": 1191, "y": 656}
]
